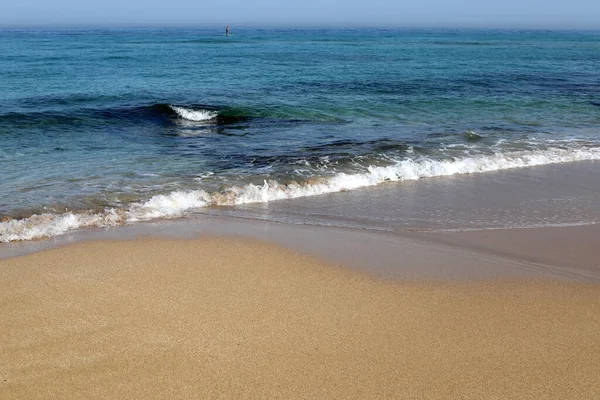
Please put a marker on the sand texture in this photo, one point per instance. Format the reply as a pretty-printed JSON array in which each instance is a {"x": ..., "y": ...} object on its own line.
[{"x": 233, "y": 318}]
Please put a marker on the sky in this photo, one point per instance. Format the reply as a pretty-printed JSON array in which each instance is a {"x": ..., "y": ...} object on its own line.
[{"x": 573, "y": 14}]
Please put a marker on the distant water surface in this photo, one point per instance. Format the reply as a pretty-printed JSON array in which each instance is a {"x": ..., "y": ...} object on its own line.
[{"x": 105, "y": 127}]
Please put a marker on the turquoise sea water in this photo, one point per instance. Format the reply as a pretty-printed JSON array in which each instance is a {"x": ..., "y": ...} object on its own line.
[{"x": 105, "y": 127}]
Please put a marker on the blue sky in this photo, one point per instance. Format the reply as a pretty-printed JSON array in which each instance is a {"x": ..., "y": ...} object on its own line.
[{"x": 583, "y": 14}]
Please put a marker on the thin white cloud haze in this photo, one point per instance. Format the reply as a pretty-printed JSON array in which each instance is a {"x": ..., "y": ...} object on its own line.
[{"x": 574, "y": 14}]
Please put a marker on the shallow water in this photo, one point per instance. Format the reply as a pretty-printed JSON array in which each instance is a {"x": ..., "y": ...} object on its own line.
[
  {"x": 542, "y": 196},
  {"x": 105, "y": 127}
]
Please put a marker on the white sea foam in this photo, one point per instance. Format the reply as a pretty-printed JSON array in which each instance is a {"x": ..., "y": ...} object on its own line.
[
  {"x": 47, "y": 225},
  {"x": 165, "y": 206},
  {"x": 178, "y": 203},
  {"x": 194, "y": 115}
]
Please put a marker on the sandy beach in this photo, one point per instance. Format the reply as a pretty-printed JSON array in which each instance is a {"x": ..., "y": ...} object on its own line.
[
  {"x": 321, "y": 211},
  {"x": 222, "y": 317}
]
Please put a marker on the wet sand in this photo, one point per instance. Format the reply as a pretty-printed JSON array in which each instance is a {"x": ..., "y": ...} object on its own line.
[
  {"x": 567, "y": 248},
  {"x": 560, "y": 253},
  {"x": 241, "y": 318}
]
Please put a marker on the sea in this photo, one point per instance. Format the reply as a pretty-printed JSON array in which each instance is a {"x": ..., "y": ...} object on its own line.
[{"x": 107, "y": 127}]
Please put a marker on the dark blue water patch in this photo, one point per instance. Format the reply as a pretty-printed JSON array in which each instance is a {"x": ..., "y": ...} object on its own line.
[
  {"x": 385, "y": 145},
  {"x": 160, "y": 114},
  {"x": 499, "y": 129},
  {"x": 357, "y": 146},
  {"x": 235, "y": 154},
  {"x": 570, "y": 87},
  {"x": 21, "y": 121},
  {"x": 333, "y": 145},
  {"x": 74, "y": 99}
]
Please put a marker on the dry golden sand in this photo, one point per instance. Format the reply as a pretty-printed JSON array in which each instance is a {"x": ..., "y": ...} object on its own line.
[{"x": 229, "y": 318}]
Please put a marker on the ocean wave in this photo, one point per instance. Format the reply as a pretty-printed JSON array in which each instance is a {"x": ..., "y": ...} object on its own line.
[
  {"x": 191, "y": 114},
  {"x": 64, "y": 113},
  {"x": 178, "y": 203},
  {"x": 472, "y": 136},
  {"x": 47, "y": 225},
  {"x": 154, "y": 113}
]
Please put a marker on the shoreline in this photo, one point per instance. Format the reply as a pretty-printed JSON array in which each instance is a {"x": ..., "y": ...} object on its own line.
[
  {"x": 244, "y": 318},
  {"x": 556, "y": 194},
  {"x": 564, "y": 253},
  {"x": 411, "y": 223}
]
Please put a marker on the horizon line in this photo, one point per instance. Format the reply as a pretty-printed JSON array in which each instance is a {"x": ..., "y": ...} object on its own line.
[{"x": 333, "y": 26}]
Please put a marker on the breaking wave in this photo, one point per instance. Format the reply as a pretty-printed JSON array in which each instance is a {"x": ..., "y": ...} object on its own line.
[
  {"x": 155, "y": 113},
  {"x": 195, "y": 115},
  {"x": 159, "y": 113},
  {"x": 179, "y": 203}
]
